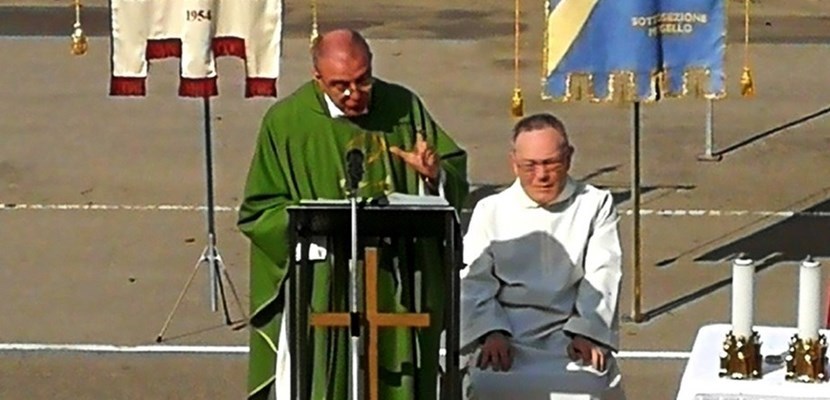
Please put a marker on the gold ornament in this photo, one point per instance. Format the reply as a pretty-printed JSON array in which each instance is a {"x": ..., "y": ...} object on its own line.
[
  {"x": 806, "y": 359},
  {"x": 79, "y": 41},
  {"x": 314, "y": 33},
  {"x": 747, "y": 85},
  {"x": 741, "y": 357},
  {"x": 517, "y": 103}
]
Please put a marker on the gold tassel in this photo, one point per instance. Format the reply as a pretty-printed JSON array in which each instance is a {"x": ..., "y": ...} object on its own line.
[
  {"x": 314, "y": 33},
  {"x": 747, "y": 85},
  {"x": 79, "y": 42},
  {"x": 517, "y": 103}
]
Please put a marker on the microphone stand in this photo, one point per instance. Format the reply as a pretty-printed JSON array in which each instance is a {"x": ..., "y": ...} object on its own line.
[{"x": 354, "y": 160}]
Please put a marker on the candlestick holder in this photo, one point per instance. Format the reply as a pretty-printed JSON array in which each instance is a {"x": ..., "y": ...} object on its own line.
[
  {"x": 741, "y": 357},
  {"x": 806, "y": 360}
]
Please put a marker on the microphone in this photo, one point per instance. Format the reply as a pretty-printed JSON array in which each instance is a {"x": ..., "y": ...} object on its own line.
[{"x": 354, "y": 169}]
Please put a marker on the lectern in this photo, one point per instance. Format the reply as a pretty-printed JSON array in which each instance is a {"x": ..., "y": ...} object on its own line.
[{"x": 376, "y": 221}]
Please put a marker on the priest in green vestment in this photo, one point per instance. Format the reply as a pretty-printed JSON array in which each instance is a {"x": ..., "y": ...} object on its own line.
[{"x": 300, "y": 154}]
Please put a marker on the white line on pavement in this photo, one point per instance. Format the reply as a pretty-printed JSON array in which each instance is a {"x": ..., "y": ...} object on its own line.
[
  {"x": 111, "y": 207},
  {"x": 186, "y": 207},
  {"x": 151, "y": 349},
  {"x": 107, "y": 348}
]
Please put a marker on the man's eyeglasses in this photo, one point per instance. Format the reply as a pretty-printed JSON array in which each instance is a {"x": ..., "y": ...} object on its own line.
[
  {"x": 345, "y": 89},
  {"x": 548, "y": 166}
]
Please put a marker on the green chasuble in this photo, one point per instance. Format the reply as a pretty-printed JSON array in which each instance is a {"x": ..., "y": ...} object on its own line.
[{"x": 300, "y": 154}]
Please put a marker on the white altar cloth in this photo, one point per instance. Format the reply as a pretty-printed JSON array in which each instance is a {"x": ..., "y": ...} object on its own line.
[{"x": 701, "y": 381}]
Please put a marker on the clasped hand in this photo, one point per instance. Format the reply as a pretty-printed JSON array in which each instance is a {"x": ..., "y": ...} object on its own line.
[
  {"x": 422, "y": 158},
  {"x": 582, "y": 348},
  {"x": 497, "y": 352}
]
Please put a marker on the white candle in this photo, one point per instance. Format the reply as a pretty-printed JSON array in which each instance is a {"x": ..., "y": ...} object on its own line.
[
  {"x": 743, "y": 297},
  {"x": 809, "y": 299}
]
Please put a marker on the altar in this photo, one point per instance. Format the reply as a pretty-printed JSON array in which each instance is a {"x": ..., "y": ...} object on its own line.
[{"x": 701, "y": 381}]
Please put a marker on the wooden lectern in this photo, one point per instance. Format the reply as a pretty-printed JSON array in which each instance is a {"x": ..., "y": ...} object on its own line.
[{"x": 406, "y": 221}]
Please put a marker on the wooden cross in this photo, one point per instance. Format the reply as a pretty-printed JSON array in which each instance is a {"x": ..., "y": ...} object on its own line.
[{"x": 374, "y": 319}]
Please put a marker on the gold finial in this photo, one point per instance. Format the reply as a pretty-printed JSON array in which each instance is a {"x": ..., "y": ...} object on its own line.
[
  {"x": 314, "y": 33},
  {"x": 517, "y": 103},
  {"x": 747, "y": 85},
  {"x": 79, "y": 42}
]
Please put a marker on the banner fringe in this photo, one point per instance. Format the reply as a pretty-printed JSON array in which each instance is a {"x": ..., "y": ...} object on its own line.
[
  {"x": 124, "y": 86},
  {"x": 159, "y": 49},
  {"x": 228, "y": 46},
  {"x": 622, "y": 87},
  {"x": 261, "y": 87},
  {"x": 198, "y": 87}
]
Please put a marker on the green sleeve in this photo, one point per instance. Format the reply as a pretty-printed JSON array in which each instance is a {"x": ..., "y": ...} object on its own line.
[
  {"x": 263, "y": 217},
  {"x": 453, "y": 163}
]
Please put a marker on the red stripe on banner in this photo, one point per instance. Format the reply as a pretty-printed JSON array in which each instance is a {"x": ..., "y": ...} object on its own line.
[
  {"x": 163, "y": 48},
  {"x": 260, "y": 87},
  {"x": 157, "y": 49},
  {"x": 121, "y": 86},
  {"x": 198, "y": 87},
  {"x": 228, "y": 46}
]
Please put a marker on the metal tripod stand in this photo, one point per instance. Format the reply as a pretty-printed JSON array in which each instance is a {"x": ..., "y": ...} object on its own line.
[{"x": 210, "y": 255}]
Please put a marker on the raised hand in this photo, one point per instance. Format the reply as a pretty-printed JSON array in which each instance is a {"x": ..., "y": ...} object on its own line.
[{"x": 422, "y": 158}]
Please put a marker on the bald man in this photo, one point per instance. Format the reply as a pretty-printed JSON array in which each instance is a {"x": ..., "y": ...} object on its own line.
[
  {"x": 540, "y": 291},
  {"x": 300, "y": 154}
]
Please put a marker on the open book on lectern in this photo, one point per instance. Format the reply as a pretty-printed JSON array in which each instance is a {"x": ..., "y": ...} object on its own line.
[
  {"x": 317, "y": 250},
  {"x": 392, "y": 199}
]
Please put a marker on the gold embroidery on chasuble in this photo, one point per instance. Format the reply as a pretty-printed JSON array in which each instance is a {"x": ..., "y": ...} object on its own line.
[{"x": 377, "y": 176}]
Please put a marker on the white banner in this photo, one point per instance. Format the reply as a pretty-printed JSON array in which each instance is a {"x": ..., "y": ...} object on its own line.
[{"x": 196, "y": 31}]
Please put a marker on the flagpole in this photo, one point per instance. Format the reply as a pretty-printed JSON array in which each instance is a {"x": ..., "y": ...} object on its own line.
[
  {"x": 210, "y": 255},
  {"x": 636, "y": 312},
  {"x": 708, "y": 150}
]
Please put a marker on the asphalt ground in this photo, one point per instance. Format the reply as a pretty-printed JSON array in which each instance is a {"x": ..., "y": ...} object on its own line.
[{"x": 110, "y": 274}]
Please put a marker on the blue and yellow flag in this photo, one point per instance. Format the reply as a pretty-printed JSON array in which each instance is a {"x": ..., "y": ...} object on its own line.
[{"x": 634, "y": 50}]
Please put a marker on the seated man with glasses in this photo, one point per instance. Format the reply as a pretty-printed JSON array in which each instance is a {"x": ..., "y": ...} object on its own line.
[
  {"x": 301, "y": 155},
  {"x": 539, "y": 293}
]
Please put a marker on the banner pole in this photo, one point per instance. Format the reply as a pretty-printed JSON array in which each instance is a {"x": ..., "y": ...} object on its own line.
[
  {"x": 636, "y": 312},
  {"x": 218, "y": 270},
  {"x": 210, "y": 255},
  {"x": 708, "y": 150},
  {"x": 211, "y": 252}
]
